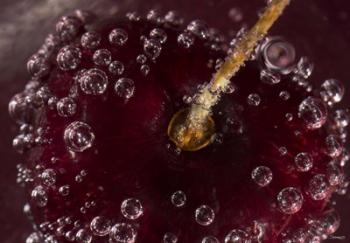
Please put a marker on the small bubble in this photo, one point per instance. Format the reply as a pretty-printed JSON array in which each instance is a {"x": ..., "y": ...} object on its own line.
[
  {"x": 333, "y": 146},
  {"x": 185, "y": 40},
  {"x": 66, "y": 107},
  {"x": 210, "y": 239},
  {"x": 68, "y": 58},
  {"x": 178, "y": 199},
  {"x": 313, "y": 112},
  {"x": 303, "y": 162},
  {"x": 34, "y": 238},
  {"x": 83, "y": 236},
  {"x": 122, "y": 233},
  {"x": 152, "y": 48},
  {"x": 145, "y": 69},
  {"x": 78, "y": 136},
  {"x": 116, "y": 68},
  {"x": 158, "y": 34},
  {"x": 204, "y": 215},
  {"x": 39, "y": 196},
  {"x": 67, "y": 27},
  {"x": 269, "y": 77},
  {"x": 290, "y": 200},
  {"x": 341, "y": 118},
  {"x": 253, "y": 99},
  {"x": 118, "y": 37},
  {"x": 20, "y": 110},
  {"x": 141, "y": 59},
  {"x": 283, "y": 150},
  {"x": 332, "y": 91},
  {"x": 262, "y": 175},
  {"x": 90, "y": 40},
  {"x": 48, "y": 177},
  {"x": 237, "y": 236},
  {"x": 318, "y": 187},
  {"x": 284, "y": 95},
  {"x": 125, "y": 88},
  {"x": 304, "y": 67},
  {"x": 199, "y": 28},
  {"x": 93, "y": 82},
  {"x": 335, "y": 174},
  {"x": 100, "y": 226},
  {"x": 38, "y": 66},
  {"x": 131, "y": 208},
  {"x": 330, "y": 222},
  {"x": 235, "y": 14},
  {"x": 289, "y": 116},
  {"x": 102, "y": 57},
  {"x": 64, "y": 190},
  {"x": 173, "y": 18},
  {"x": 169, "y": 238}
]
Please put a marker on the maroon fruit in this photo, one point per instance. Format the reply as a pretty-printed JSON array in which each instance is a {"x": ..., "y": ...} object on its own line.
[{"x": 99, "y": 166}]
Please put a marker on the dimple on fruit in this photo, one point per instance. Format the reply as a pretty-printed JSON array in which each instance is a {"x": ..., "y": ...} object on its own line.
[{"x": 100, "y": 167}]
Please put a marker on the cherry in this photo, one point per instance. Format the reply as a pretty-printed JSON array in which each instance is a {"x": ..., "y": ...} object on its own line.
[{"x": 100, "y": 166}]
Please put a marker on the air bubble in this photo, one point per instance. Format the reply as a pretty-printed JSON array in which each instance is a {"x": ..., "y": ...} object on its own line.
[
  {"x": 303, "y": 162},
  {"x": 204, "y": 215},
  {"x": 102, "y": 57},
  {"x": 20, "y": 110},
  {"x": 116, "y": 68},
  {"x": 118, "y": 37},
  {"x": 185, "y": 40},
  {"x": 178, "y": 199},
  {"x": 330, "y": 222},
  {"x": 290, "y": 200},
  {"x": 335, "y": 174},
  {"x": 131, "y": 208},
  {"x": 173, "y": 18},
  {"x": 39, "y": 196},
  {"x": 67, "y": 27},
  {"x": 169, "y": 238},
  {"x": 262, "y": 175},
  {"x": 38, "y": 66},
  {"x": 341, "y": 118},
  {"x": 83, "y": 236},
  {"x": 158, "y": 34},
  {"x": 318, "y": 187},
  {"x": 237, "y": 236},
  {"x": 90, "y": 40},
  {"x": 78, "y": 136},
  {"x": 152, "y": 48},
  {"x": 304, "y": 68},
  {"x": 269, "y": 77},
  {"x": 235, "y": 14},
  {"x": 141, "y": 59},
  {"x": 93, "y": 82},
  {"x": 284, "y": 95},
  {"x": 66, "y": 107},
  {"x": 313, "y": 112},
  {"x": 68, "y": 58},
  {"x": 333, "y": 146},
  {"x": 100, "y": 226},
  {"x": 210, "y": 239},
  {"x": 145, "y": 69},
  {"x": 34, "y": 238},
  {"x": 253, "y": 99},
  {"x": 199, "y": 28},
  {"x": 289, "y": 116},
  {"x": 64, "y": 190},
  {"x": 122, "y": 233},
  {"x": 48, "y": 177},
  {"x": 332, "y": 91},
  {"x": 125, "y": 88}
]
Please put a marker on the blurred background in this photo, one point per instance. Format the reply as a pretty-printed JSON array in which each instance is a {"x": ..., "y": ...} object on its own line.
[{"x": 319, "y": 29}]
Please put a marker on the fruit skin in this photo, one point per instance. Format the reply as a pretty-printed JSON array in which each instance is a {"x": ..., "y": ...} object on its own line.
[{"x": 92, "y": 114}]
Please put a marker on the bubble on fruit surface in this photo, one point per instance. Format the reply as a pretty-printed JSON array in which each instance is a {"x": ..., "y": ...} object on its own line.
[
  {"x": 39, "y": 196},
  {"x": 269, "y": 77},
  {"x": 67, "y": 27},
  {"x": 68, "y": 58},
  {"x": 142, "y": 59},
  {"x": 83, "y": 236},
  {"x": 199, "y": 28},
  {"x": 102, "y": 57},
  {"x": 262, "y": 175},
  {"x": 152, "y": 48},
  {"x": 318, "y": 187},
  {"x": 335, "y": 174},
  {"x": 90, "y": 40},
  {"x": 303, "y": 162},
  {"x": 100, "y": 226},
  {"x": 20, "y": 110},
  {"x": 330, "y": 222},
  {"x": 116, "y": 67},
  {"x": 122, "y": 233},
  {"x": 332, "y": 91},
  {"x": 284, "y": 95},
  {"x": 124, "y": 88},
  {"x": 169, "y": 238},
  {"x": 145, "y": 69},
  {"x": 64, "y": 190},
  {"x": 278, "y": 55},
  {"x": 118, "y": 37},
  {"x": 185, "y": 40},
  {"x": 34, "y": 237},
  {"x": 38, "y": 66},
  {"x": 313, "y": 112},
  {"x": 341, "y": 118},
  {"x": 48, "y": 177},
  {"x": 290, "y": 200},
  {"x": 178, "y": 199},
  {"x": 158, "y": 34},
  {"x": 210, "y": 239},
  {"x": 204, "y": 215},
  {"x": 78, "y": 136},
  {"x": 304, "y": 67},
  {"x": 253, "y": 99},
  {"x": 237, "y": 236},
  {"x": 66, "y": 107},
  {"x": 333, "y": 146},
  {"x": 131, "y": 208},
  {"x": 93, "y": 82}
]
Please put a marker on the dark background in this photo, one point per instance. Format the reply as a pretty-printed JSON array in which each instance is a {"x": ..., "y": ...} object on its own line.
[{"x": 319, "y": 29}]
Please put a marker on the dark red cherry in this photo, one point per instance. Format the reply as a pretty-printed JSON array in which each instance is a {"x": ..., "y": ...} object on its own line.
[{"x": 99, "y": 166}]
